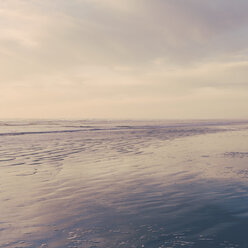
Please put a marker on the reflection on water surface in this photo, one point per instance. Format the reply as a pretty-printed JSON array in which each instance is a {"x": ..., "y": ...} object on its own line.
[{"x": 123, "y": 184}]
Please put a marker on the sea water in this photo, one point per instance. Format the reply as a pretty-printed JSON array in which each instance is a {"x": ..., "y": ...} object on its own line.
[{"x": 110, "y": 184}]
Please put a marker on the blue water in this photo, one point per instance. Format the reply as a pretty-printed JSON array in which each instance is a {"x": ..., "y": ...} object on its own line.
[{"x": 110, "y": 184}]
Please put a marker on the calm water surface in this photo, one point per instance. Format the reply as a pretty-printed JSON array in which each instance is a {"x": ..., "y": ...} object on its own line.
[{"x": 110, "y": 184}]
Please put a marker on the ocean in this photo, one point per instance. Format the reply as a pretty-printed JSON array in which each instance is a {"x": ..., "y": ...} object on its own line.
[{"x": 123, "y": 183}]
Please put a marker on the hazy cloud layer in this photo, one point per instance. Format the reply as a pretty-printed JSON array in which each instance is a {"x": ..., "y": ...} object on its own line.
[{"x": 124, "y": 59}]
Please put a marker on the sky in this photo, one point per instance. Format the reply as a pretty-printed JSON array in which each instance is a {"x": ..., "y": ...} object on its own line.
[{"x": 124, "y": 59}]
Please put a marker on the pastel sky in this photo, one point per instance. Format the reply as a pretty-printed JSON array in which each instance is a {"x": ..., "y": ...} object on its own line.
[{"x": 155, "y": 59}]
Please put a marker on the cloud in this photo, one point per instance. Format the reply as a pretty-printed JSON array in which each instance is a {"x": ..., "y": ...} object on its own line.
[{"x": 128, "y": 54}]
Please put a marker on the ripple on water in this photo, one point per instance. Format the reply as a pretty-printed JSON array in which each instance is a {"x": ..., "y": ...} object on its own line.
[{"x": 124, "y": 186}]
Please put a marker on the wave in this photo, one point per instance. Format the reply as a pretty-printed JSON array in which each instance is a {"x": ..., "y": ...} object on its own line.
[
  {"x": 44, "y": 127},
  {"x": 40, "y": 132}
]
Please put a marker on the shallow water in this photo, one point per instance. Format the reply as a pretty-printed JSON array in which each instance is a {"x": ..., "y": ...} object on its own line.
[{"x": 123, "y": 184}]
